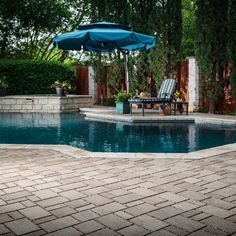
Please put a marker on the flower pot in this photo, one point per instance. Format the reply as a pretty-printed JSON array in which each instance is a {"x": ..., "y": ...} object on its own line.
[
  {"x": 166, "y": 110},
  {"x": 60, "y": 92},
  {"x": 3, "y": 92},
  {"x": 122, "y": 108}
]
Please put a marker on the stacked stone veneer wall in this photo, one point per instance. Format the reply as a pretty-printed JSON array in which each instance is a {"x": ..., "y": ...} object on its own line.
[{"x": 44, "y": 104}]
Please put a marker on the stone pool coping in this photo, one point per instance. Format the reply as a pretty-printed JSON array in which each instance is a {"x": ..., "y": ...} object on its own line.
[{"x": 81, "y": 153}]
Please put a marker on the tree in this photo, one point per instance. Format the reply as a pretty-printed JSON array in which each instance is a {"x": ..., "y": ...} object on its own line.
[
  {"x": 211, "y": 46},
  {"x": 28, "y": 26},
  {"x": 232, "y": 42},
  {"x": 164, "y": 19},
  {"x": 116, "y": 12},
  {"x": 173, "y": 32},
  {"x": 141, "y": 18},
  {"x": 188, "y": 26},
  {"x": 167, "y": 24}
]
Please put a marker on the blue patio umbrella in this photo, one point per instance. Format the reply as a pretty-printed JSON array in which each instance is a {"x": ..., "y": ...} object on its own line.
[{"x": 105, "y": 37}]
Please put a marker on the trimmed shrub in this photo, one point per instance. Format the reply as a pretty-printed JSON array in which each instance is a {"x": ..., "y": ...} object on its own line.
[{"x": 34, "y": 77}]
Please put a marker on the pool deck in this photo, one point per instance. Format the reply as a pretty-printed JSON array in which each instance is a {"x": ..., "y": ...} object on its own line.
[
  {"x": 59, "y": 190},
  {"x": 45, "y": 191}
]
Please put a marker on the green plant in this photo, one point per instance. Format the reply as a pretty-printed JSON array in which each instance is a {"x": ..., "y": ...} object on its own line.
[
  {"x": 177, "y": 96},
  {"x": 34, "y": 77},
  {"x": 61, "y": 84},
  {"x": 122, "y": 97},
  {"x": 3, "y": 82},
  {"x": 110, "y": 101}
]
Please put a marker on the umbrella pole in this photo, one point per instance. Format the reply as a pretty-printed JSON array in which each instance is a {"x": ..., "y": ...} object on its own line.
[{"x": 126, "y": 56}]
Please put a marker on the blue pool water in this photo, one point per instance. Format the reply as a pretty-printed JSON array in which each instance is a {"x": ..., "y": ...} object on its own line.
[{"x": 74, "y": 130}]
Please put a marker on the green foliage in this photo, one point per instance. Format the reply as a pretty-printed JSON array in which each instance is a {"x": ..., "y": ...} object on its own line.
[
  {"x": 28, "y": 26},
  {"x": 211, "y": 46},
  {"x": 232, "y": 42},
  {"x": 3, "y": 82},
  {"x": 122, "y": 97},
  {"x": 173, "y": 31},
  {"x": 141, "y": 20},
  {"x": 61, "y": 84},
  {"x": 110, "y": 101},
  {"x": 233, "y": 76},
  {"x": 143, "y": 15},
  {"x": 99, "y": 73},
  {"x": 110, "y": 10},
  {"x": 115, "y": 75},
  {"x": 211, "y": 35},
  {"x": 167, "y": 24},
  {"x": 157, "y": 64},
  {"x": 189, "y": 27},
  {"x": 232, "y": 30},
  {"x": 33, "y": 77}
]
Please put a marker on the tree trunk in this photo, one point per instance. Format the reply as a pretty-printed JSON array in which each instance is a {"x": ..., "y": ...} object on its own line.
[
  {"x": 211, "y": 106},
  {"x": 221, "y": 97},
  {"x": 101, "y": 93},
  {"x": 100, "y": 76}
]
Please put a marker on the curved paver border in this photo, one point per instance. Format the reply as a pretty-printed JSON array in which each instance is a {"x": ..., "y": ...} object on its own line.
[{"x": 78, "y": 153}]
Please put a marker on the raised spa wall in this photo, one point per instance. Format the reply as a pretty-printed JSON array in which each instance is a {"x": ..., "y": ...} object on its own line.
[{"x": 44, "y": 103}]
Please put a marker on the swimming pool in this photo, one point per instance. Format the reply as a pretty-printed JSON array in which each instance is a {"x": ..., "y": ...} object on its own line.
[{"x": 72, "y": 129}]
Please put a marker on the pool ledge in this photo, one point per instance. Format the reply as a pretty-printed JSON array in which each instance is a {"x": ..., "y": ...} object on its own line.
[
  {"x": 154, "y": 119},
  {"x": 80, "y": 153},
  {"x": 137, "y": 119}
]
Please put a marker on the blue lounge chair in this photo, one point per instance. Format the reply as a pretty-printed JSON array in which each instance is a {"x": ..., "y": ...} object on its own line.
[{"x": 165, "y": 95}]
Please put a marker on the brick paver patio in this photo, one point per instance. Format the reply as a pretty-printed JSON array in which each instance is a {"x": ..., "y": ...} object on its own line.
[{"x": 45, "y": 192}]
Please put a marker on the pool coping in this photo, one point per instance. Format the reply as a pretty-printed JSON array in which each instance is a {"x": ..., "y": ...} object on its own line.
[
  {"x": 81, "y": 153},
  {"x": 127, "y": 119}
]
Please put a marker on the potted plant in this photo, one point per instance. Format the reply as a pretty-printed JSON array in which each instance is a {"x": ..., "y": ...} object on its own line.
[
  {"x": 179, "y": 101},
  {"x": 61, "y": 87},
  {"x": 122, "y": 104},
  {"x": 3, "y": 86},
  {"x": 165, "y": 108}
]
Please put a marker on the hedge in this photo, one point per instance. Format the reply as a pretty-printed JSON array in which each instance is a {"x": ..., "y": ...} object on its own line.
[{"x": 33, "y": 77}]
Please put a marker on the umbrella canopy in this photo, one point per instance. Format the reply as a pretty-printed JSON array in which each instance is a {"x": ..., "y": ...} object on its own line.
[{"x": 105, "y": 37}]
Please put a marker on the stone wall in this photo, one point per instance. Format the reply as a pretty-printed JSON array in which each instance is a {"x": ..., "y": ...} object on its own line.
[{"x": 44, "y": 103}]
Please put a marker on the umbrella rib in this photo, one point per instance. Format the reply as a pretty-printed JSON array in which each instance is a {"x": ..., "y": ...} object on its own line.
[{"x": 87, "y": 39}]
